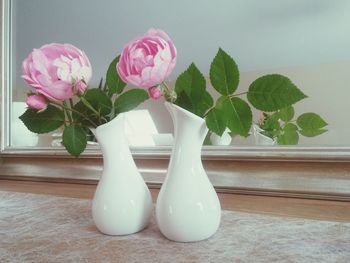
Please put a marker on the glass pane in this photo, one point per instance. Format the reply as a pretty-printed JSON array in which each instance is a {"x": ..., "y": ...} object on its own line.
[{"x": 306, "y": 40}]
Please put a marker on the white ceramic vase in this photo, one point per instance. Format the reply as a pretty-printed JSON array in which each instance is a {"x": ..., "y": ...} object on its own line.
[
  {"x": 261, "y": 139},
  {"x": 188, "y": 208},
  {"x": 223, "y": 140},
  {"x": 122, "y": 202}
]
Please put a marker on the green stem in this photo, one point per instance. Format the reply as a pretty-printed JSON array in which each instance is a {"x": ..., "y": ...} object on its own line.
[
  {"x": 71, "y": 103},
  {"x": 168, "y": 92},
  {"x": 166, "y": 86},
  {"x": 238, "y": 94},
  {"x": 69, "y": 115},
  {"x": 87, "y": 104},
  {"x": 75, "y": 111},
  {"x": 205, "y": 115}
]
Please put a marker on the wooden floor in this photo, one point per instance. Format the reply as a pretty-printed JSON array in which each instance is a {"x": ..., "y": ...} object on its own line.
[{"x": 281, "y": 206}]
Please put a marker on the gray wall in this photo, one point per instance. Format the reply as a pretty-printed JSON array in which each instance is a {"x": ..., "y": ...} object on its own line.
[{"x": 258, "y": 34}]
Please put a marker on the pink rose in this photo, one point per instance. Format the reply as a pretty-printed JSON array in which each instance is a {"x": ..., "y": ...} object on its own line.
[
  {"x": 154, "y": 92},
  {"x": 148, "y": 60},
  {"x": 53, "y": 70},
  {"x": 37, "y": 102}
]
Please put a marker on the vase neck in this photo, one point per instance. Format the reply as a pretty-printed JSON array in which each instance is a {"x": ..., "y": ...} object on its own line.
[
  {"x": 189, "y": 130},
  {"x": 113, "y": 142}
]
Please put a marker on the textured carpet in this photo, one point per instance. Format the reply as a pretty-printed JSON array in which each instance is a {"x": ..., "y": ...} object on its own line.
[{"x": 41, "y": 228}]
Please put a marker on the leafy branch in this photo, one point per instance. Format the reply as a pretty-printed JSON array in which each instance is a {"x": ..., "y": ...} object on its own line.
[
  {"x": 267, "y": 93},
  {"x": 281, "y": 127}
]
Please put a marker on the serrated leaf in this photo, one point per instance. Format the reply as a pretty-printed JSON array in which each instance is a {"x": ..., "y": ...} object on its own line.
[
  {"x": 312, "y": 133},
  {"x": 96, "y": 107},
  {"x": 199, "y": 109},
  {"x": 74, "y": 139},
  {"x": 236, "y": 113},
  {"x": 289, "y": 135},
  {"x": 215, "y": 121},
  {"x": 273, "y": 92},
  {"x": 206, "y": 103},
  {"x": 113, "y": 81},
  {"x": 191, "y": 81},
  {"x": 290, "y": 127},
  {"x": 286, "y": 114},
  {"x": 43, "y": 122},
  {"x": 271, "y": 123},
  {"x": 224, "y": 74},
  {"x": 311, "y": 121},
  {"x": 99, "y": 101},
  {"x": 190, "y": 88},
  {"x": 86, "y": 117},
  {"x": 184, "y": 101},
  {"x": 130, "y": 100}
]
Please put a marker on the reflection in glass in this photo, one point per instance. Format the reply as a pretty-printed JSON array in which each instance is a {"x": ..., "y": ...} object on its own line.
[{"x": 306, "y": 40}]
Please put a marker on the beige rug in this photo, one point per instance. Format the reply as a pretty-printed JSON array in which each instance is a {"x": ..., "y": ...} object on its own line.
[{"x": 41, "y": 228}]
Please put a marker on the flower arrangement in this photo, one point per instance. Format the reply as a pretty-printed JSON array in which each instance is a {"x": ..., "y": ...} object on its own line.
[
  {"x": 59, "y": 75},
  {"x": 144, "y": 58}
]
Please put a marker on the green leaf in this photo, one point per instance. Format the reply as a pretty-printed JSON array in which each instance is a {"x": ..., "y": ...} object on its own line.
[
  {"x": 114, "y": 82},
  {"x": 74, "y": 139},
  {"x": 190, "y": 88},
  {"x": 289, "y": 135},
  {"x": 99, "y": 101},
  {"x": 206, "y": 103},
  {"x": 95, "y": 105},
  {"x": 199, "y": 109},
  {"x": 236, "y": 113},
  {"x": 271, "y": 123},
  {"x": 311, "y": 121},
  {"x": 43, "y": 122},
  {"x": 215, "y": 121},
  {"x": 191, "y": 81},
  {"x": 80, "y": 107},
  {"x": 286, "y": 114},
  {"x": 184, "y": 101},
  {"x": 311, "y": 124},
  {"x": 224, "y": 74},
  {"x": 130, "y": 100},
  {"x": 273, "y": 92},
  {"x": 312, "y": 133}
]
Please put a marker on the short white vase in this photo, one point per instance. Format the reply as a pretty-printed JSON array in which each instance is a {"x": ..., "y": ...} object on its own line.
[
  {"x": 122, "y": 202},
  {"x": 223, "y": 140},
  {"x": 188, "y": 208},
  {"x": 261, "y": 139}
]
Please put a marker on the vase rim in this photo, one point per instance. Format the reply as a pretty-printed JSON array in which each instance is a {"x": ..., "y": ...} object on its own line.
[
  {"x": 183, "y": 110},
  {"x": 107, "y": 124},
  {"x": 258, "y": 131}
]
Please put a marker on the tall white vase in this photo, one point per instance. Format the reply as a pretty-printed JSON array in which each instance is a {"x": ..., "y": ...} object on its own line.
[
  {"x": 188, "y": 208},
  {"x": 122, "y": 203}
]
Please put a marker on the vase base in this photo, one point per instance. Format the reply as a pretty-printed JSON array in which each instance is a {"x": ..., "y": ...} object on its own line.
[
  {"x": 121, "y": 231},
  {"x": 189, "y": 240}
]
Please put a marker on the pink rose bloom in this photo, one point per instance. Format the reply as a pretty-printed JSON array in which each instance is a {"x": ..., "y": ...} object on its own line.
[
  {"x": 53, "y": 70},
  {"x": 37, "y": 102},
  {"x": 154, "y": 92},
  {"x": 148, "y": 60}
]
